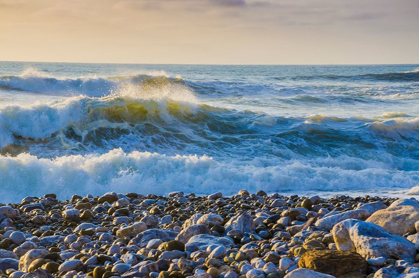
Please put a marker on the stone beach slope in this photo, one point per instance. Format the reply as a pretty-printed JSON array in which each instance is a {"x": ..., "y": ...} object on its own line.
[{"x": 246, "y": 235}]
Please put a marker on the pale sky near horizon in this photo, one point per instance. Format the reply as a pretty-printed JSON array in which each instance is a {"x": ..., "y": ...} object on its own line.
[{"x": 210, "y": 31}]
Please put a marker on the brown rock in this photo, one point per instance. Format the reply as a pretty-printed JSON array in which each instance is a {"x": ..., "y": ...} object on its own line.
[{"x": 333, "y": 262}]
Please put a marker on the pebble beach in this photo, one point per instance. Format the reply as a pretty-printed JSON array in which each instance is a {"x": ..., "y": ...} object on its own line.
[{"x": 178, "y": 235}]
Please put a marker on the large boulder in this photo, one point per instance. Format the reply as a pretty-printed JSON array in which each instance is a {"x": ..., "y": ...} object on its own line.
[
  {"x": 371, "y": 241},
  {"x": 334, "y": 262},
  {"x": 399, "y": 218},
  {"x": 372, "y": 207},
  {"x": 327, "y": 223},
  {"x": 242, "y": 222}
]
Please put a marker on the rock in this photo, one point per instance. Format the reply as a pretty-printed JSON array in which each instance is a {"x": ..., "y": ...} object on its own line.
[
  {"x": 108, "y": 197},
  {"x": 39, "y": 273},
  {"x": 70, "y": 265},
  {"x": 328, "y": 222},
  {"x": 71, "y": 215},
  {"x": 372, "y": 207},
  {"x": 307, "y": 204},
  {"x": 24, "y": 247},
  {"x": 215, "y": 196},
  {"x": 154, "y": 243},
  {"x": 201, "y": 242},
  {"x": 17, "y": 237},
  {"x": 8, "y": 212},
  {"x": 151, "y": 221},
  {"x": 371, "y": 241},
  {"x": 380, "y": 261},
  {"x": 5, "y": 254},
  {"x": 151, "y": 267},
  {"x": 333, "y": 262},
  {"x": 170, "y": 255},
  {"x": 121, "y": 268},
  {"x": 242, "y": 222},
  {"x": 306, "y": 273},
  {"x": 174, "y": 245},
  {"x": 143, "y": 238},
  {"x": 399, "y": 218},
  {"x": 84, "y": 226},
  {"x": 285, "y": 264},
  {"x": 191, "y": 231},
  {"x": 210, "y": 219},
  {"x": 255, "y": 273},
  {"x": 26, "y": 260},
  {"x": 7, "y": 263},
  {"x": 98, "y": 272},
  {"x": 218, "y": 253},
  {"x": 129, "y": 258},
  {"x": 131, "y": 230}
]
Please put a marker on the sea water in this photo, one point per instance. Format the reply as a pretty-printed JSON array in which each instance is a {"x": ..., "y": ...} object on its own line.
[{"x": 152, "y": 129}]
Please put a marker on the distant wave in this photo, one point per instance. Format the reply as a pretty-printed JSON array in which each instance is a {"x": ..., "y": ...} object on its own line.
[{"x": 408, "y": 76}]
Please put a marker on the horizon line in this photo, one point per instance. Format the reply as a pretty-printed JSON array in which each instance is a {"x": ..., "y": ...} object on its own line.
[{"x": 202, "y": 64}]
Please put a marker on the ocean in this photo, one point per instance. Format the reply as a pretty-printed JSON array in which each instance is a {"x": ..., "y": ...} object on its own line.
[{"x": 153, "y": 129}]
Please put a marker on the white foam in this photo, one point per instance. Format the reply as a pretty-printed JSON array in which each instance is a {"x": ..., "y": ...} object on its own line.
[{"x": 145, "y": 172}]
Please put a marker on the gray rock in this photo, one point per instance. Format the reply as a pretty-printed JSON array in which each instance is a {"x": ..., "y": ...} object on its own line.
[
  {"x": 129, "y": 258},
  {"x": 71, "y": 215},
  {"x": 170, "y": 255},
  {"x": 306, "y": 273},
  {"x": 146, "y": 269},
  {"x": 121, "y": 268},
  {"x": 154, "y": 243},
  {"x": 151, "y": 221},
  {"x": 242, "y": 222},
  {"x": 5, "y": 254},
  {"x": 201, "y": 242},
  {"x": 371, "y": 241},
  {"x": 399, "y": 218},
  {"x": 84, "y": 226},
  {"x": 372, "y": 207},
  {"x": 210, "y": 219},
  {"x": 143, "y": 238},
  {"x": 219, "y": 252},
  {"x": 70, "y": 265},
  {"x": 7, "y": 263},
  {"x": 9, "y": 212},
  {"x": 215, "y": 196},
  {"x": 191, "y": 231},
  {"x": 255, "y": 273},
  {"x": 327, "y": 222}
]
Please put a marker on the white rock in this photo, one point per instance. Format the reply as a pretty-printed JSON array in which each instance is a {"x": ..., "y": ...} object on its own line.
[
  {"x": 84, "y": 226},
  {"x": 306, "y": 273},
  {"x": 210, "y": 219},
  {"x": 114, "y": 249},
  {"x": 326, "y": 223},
  {"x": 377, "y": 261},
  {"x": 399, "y": 218},
  {"x": 285, "y": 264},
  {"x": 17, "y": 237},
  {"x": 30, "y": 256},
  {"x": 218, "y": 253},
  {"x": 70, "y": 265},
  {"x": 255, "y": 273},
  {"x": 269, "y": 268},
  {"x": 242, "y": 222},
  {"x": 371, "y": 241},
  {"x": 191, "y": 231}
]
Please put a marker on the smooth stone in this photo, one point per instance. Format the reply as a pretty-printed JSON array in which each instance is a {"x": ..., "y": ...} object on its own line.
[
  {"x": 9, "y": 212},
  {"x": 285, "y": 264},
  {"x": 71, "y": 215},
  {"x": 129, "y": 258},
  {"x": 380, "y": 261},
  {"x": 218, "y": 253},
  {"x": 70, "y": 265},
  {"x": 399, "y": 218},
  {"x": 7, "y": 263},
  {"x": 170, "y": 255},
  {"x": 84, "y": 226},
  {"x": 255, "y": 273},
  {"x": 307, "y": 273},
  {"x": 121, "y": 268},
  {"x": 191, "y": 231},
  {"x": 143, "y": 238},
  {"x": 372, "y": 207},
  {"x": 210, "y": 219},
  {"x": 154, "y": 243},
  {"x": 371, "y": 241},
  {"x": 6, "y": 254},
  {"x": 201, "y": 242},
  {"x": 173, "y": 245},
  {"x": 328, "y": 222}
]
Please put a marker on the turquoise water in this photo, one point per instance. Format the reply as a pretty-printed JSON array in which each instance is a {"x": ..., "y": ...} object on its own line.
[{"x": 93, "y": 128}]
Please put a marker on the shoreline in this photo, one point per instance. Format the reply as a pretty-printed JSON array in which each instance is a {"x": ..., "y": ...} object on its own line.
[{"x": 244, "y": 235}]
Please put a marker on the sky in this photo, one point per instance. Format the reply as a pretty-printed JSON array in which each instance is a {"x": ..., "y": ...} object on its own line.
[{"x": 210, "y": 31}]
